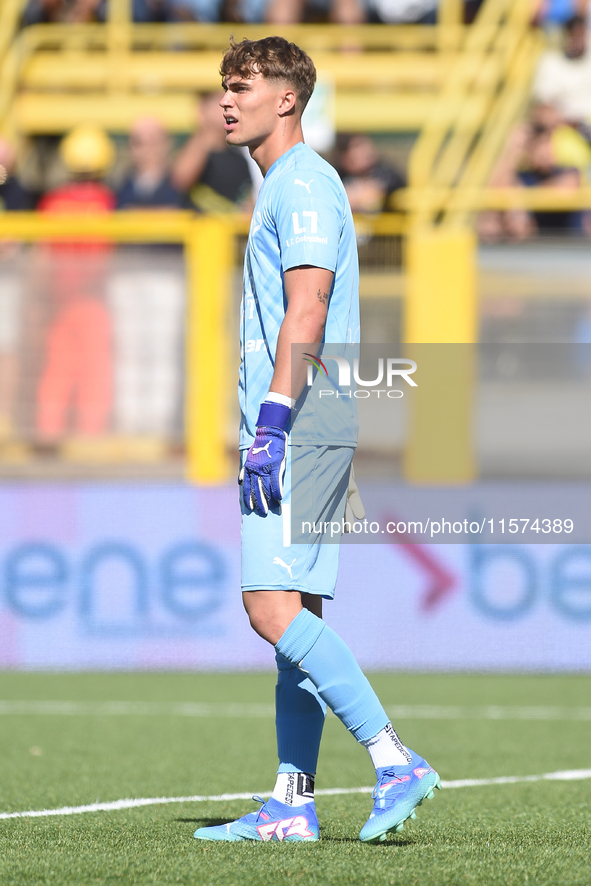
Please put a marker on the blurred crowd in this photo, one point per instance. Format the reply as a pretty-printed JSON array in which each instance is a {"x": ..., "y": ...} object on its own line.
[
  {"x": 552, "y": 147},
  {"x": 349, "y": 12},
  {"x": 203, "y": 174},
  {"x": 283, "y": 12}
]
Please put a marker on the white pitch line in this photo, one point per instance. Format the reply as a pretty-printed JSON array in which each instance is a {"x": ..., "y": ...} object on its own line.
[
  {"x": 136, "y": 708},
  {"x": 237, "y": 710},
  {"x": 567, "y": 775}
]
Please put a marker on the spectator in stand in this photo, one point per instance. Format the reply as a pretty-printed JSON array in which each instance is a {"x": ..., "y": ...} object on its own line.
[
  {"x": 558, "y": 12},
  {"x": 369, "y": 180},
  {"x": 13, "y": 196},
  {"x": 146, "y": 11},
  {"x": 530, "y": 160},
  {"x": 76, "y": 371},
  {"x": 291, "y": 12},
  {"x": 405, "y": 12},
  {"x": 252, "y": 11},
  {"x": 278, "y": 12},
  {"x": 40, "y": 12},
  {"x": 147, "y": 297},
  {"x": 217, "y": 177},
  {"x": 149, "y": 183},
  {"x": 563, "y": 78}
]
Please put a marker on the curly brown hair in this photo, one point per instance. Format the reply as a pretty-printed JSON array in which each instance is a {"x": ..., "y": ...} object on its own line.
[{"x": 276, "y": 59}]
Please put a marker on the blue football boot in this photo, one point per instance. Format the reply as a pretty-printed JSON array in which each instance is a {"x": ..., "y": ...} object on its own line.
[
  {"x": 273, "y": 821},
  {"x": 400, "y": 789}
]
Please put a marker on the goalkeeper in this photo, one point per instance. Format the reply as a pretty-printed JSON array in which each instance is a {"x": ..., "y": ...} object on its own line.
[{"x": 301, "y": 283}]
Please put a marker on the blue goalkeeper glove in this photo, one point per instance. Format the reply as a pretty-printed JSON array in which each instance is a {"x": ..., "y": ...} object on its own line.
[{"x": 264, "y": 468}]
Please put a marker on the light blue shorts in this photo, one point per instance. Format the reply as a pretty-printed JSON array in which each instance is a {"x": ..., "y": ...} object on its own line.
[{"x": 270, "y": 561}]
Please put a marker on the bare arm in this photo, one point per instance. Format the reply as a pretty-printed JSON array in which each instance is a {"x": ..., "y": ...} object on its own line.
[
  {"x": 191, "y": 159},
  {"x": 307, "y": 290},
  {"x": 505, "y": 172}
]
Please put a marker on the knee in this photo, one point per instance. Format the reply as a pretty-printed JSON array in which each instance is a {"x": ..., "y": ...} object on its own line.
[
  {"x": 258, "y": 614},
  {"x": 271, "y": 612}
]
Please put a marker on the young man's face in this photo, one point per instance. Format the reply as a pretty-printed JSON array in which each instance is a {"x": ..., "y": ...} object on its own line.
[{"x": 253, "y": 108}]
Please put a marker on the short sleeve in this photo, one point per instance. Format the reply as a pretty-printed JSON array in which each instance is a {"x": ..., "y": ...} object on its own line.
[{"x": 309, "y": 219}]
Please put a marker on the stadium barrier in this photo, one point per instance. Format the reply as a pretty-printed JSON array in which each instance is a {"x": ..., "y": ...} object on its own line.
[
  {"x": 399, "y": 267},
  {"x": 208, "y": 253},
  {"x": 210, "y": 246}
]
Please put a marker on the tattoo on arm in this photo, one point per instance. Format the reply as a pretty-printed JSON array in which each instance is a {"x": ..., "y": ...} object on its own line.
[{"x": 322, "y": 296}]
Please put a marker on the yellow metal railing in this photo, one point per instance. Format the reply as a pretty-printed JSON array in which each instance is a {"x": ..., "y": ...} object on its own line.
[
  {"x": 52, "y": 76},
  {"x": 10, "y": 12},
  {"x": 208, "y": 253},
  {"x": 209, "y": 244},
  {"x": 486, "y": 90}
]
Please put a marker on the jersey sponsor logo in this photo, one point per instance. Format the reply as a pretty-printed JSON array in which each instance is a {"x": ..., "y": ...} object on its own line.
[
  {"x": 287, "y": 827},
  {"x": 253, "y": 344},
  {"x": 265, "y": 448},
  {"x": 313, "y": 216},
  {"x": 298, "y": 181},
  {"x": 277, "y": 561},
  {"x": 307, "y": 231}
]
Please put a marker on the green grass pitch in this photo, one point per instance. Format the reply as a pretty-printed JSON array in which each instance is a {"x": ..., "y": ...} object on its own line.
[{"x": 535, "y": 833}]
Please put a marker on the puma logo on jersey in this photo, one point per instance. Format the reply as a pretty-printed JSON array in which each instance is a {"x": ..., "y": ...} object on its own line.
[
  {"x": 279, "y": 562},
  {"x": 298, "y": 181},
  {"x": 265, "y": 448},
  {"x": 288, "y": 827}
]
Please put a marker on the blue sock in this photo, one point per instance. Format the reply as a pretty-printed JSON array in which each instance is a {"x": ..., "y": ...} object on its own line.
[
  {"x": 315, "y": 648},
  {"x": 299, "y": 719}
]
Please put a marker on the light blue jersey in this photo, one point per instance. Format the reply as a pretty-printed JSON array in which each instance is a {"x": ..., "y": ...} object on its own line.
[{"x": 302, "y": 217}]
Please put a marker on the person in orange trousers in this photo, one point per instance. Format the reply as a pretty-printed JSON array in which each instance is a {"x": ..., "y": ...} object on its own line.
[{"x": 76, "y": 376}]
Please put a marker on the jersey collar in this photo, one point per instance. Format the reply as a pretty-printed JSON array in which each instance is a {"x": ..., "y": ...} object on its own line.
[{"x": 280, "y": 161}]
